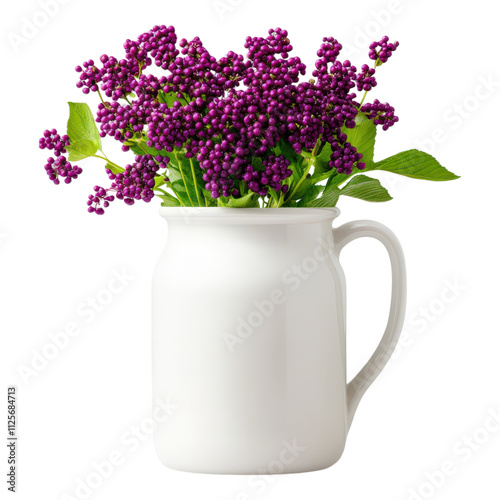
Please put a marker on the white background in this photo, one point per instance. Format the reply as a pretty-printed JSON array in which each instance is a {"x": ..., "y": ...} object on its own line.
[{"x": 435, "y": 394}]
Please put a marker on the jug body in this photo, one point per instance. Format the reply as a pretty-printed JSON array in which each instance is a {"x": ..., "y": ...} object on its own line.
[{"x": 249, "y": 341}]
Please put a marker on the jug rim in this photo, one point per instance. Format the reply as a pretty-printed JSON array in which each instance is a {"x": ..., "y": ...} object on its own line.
[{"x": 225, "y": 215}]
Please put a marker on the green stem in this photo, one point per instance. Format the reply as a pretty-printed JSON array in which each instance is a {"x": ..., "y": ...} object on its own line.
[
  {"x": 106, "y": 159},
  {"x": 100, "y": 97},
  {"x": 195, "y": 183},
  {"x": 309, "y": 165},
  {"x": 363, "y": 100},
  {"x": 179, "y": 164},
  {"x": 281, "y": 200},
  {"x": 378, "y": 62},
  {"x": 139, "y": 143}
]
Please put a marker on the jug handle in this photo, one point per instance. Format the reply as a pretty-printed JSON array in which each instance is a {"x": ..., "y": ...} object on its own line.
[{"x": 342, "y": 236}]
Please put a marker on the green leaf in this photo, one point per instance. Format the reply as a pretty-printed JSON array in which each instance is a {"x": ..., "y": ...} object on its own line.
[
  {"x": 297, "y": 164},
  {"x": 222, "y": 201},
  {"x": 245, "y": 201},
  {"x": 147, "y": 150},
  {"x": 275, "y": 197},
  {"x": 285, "y": 148},
  {"x": 366, "y": 188},
  {"x": 82, "y": 131},
  {"x": 322, "y": 170},
  {"x": 298, "y": 172},
  {"x": 304, "y": 186},
  {"x": 169, "y": 98},
  {"x": 325, "y": 175},
  {"x": 257, "y": 163},
  {"x": 159, "y": 181},
  {"x": 168, "y": 200},
  {"x": 338, "y": 179},
  {"x": 209, "y": 201},
  {"x": 115, "y": 168},
  {"x": 81, "y": 149},
  {"x": 328, "y": 199},
  {"x": 360, "y": 118},
  {"x": 310, "y": 195},
  {"x": 415, "y": 164},
  {"x": 321, "y": 161},
  {"x": 180, "y": 173},
  {"x": 362, "y": 136},
  {"x": 361, "y": 186}
]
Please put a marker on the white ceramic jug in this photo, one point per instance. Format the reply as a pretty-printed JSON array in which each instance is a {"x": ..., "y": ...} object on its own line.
[{"x": 249, "y": 338}]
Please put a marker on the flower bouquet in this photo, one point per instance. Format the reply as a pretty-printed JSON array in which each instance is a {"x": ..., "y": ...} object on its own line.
[{"x": 236, "y": 131}]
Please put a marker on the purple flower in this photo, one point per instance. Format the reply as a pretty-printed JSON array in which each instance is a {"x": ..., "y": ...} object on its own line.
[{"x": 224, "y": 113}]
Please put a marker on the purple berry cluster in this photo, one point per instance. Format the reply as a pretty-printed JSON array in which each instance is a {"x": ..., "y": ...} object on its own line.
[
  {"x": 100, "y": 196},
  {"x": 226, "y": 115},
  {"x": 275, "y": 171},
  {"x": 53, "y": 141},
  {"x": 158, "y": 44},
  {"x": 59, "y": 166},
  {"x": 136, "y": 182},
  {"x": 365, "y": 79},
  {"x": 382, "y": 50},
  {"x": 380, "y": 113},
  {"x": 345, "y": 156}
]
